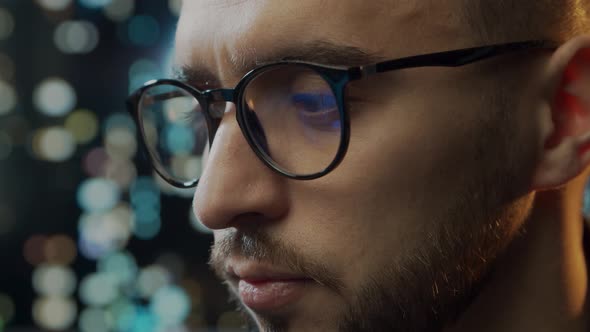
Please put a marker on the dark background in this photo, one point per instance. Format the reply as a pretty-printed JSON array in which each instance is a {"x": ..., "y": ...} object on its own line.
[{"x": 40, "y": 204}]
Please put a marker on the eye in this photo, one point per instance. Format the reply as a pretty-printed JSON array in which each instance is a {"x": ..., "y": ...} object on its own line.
[
  {"x": 317, "y": 110},
  {"x": 314, "y": 102}
]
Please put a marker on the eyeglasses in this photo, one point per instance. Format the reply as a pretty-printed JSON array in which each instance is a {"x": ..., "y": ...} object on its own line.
[{"x": 291, "y": 113}]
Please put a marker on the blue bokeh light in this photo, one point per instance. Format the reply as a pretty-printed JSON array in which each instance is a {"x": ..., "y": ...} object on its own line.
[
  {"x": 178, "y": 139},
  {"x": 171, "y": 304},
  {"x": 95, "y": 4},
  {"x": 143, "y": 30}
]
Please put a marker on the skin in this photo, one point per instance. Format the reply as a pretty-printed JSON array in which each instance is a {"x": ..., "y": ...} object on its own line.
[{"x": 440, "y": 203}]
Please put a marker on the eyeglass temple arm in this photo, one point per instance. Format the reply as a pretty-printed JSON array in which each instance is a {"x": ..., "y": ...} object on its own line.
[{"x": 450, "y": 58}]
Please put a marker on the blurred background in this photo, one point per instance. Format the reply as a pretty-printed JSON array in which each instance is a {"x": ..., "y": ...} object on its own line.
[{"x": 90, "y": 240}]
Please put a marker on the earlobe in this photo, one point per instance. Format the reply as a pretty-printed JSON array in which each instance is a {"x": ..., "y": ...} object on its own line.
[{"x": 566, "y": 138}]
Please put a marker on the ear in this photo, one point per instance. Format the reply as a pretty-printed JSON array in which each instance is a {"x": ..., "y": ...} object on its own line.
[{"x": 565, "y": 114}]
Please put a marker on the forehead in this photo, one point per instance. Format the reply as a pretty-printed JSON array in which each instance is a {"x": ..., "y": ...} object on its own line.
[{"x": 221, "y": 33}]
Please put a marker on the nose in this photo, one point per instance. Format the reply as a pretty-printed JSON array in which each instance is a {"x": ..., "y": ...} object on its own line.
[{"x": 235, "y": 186}]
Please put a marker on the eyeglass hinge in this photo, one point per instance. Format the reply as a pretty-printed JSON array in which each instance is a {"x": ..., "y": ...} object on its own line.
[{"x": 363, "y": 71}]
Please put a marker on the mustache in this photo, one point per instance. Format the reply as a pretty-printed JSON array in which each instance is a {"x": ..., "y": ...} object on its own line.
[{"x": 256, "y": 245}]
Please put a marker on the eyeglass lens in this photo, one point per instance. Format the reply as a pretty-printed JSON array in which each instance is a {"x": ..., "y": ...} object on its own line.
[
  {"x": 289, "y": 111},
  {"x": 174, "y": 130}
]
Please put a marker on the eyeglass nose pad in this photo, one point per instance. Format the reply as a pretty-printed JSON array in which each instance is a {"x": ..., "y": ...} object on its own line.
[{"x": 256, "y": 130}]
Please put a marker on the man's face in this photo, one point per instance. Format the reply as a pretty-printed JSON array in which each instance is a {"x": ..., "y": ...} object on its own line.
[{"x": 400, "y": 235}]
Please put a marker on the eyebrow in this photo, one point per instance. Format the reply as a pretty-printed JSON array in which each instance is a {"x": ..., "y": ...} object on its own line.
[{"x": 319, "y": 52}]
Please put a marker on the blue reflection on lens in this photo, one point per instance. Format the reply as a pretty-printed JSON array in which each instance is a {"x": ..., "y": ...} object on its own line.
[
  {"x": 318, "y": 110},
  {"x": 178, "y": 139},
  {"x": 143, "y": 30}
]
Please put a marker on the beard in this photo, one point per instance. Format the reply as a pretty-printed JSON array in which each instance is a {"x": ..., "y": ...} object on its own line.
[{"x": 424, "y": 292}]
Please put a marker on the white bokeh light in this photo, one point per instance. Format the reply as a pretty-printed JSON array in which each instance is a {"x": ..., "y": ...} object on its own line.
[
  {"x": 54, "y": 144},
  {"x": 54, "y": 97},
  {"x": 77, "y": 37},
  {"x": 98, "y": 289},
  {"x": 119, "y": 10},
  {"x": 54, "y": 280},
  {"x": 54, "y": 313},
  {"x": 54, "y": 5},
  {"x": 98, "y": 195}
]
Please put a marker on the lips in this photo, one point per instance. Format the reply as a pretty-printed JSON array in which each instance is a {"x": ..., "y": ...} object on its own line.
[{"x": 265, "y": 287}]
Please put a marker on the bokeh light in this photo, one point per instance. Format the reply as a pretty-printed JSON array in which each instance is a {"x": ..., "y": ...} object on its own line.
[
  {"x": 171, "y": 304},
  {"x": 98, "y": 195},
  {"x": 54, "y": 280},
  {"x": 94, "y": 162},
  {"x": 60, "y": 249},
  {"x": 6, "y": 24},
  {"x": 151, "y": 279},
  {"x": 120, "y": 143},
  {"x": 54, "y": 313},
  {"x": 142, "y": 71},
  {"x": 98, "y": 289},
  {"x": 76, "y": 37},
  {"x": 83, "y": 124},
  {"x": 121, "y": 171},
  {"x": 143, "y": 30},
  {"x": 8, "y": 97},
  {"x": 119, "y": 265},
  {"x": 94, "y": 320},
  {"x": 34, "y": 249},
  {"x": 119, "y": 10},
  {"x": 6, "y": 308},
  {"x": 54, "y": 144},
  {"x": 119, "y": 120},
  {"x": 54, "y": 5},
  {"x": 147, "y": 229},
  {"x": 122, "y": 313},
  {"x": 94, "y": 4},
  {"x": 103, "y": 233},
  {"x": 54, "y": 97}
]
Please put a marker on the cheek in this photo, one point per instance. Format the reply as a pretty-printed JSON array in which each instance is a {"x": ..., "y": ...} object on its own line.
[{"x": 407, "y": 165}]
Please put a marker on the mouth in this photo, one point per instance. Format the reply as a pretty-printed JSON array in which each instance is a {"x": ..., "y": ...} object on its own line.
[{"x": 266, "y": 288}]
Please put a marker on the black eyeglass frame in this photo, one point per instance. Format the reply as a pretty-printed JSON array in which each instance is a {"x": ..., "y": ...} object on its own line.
[{"x": 336, "y": 77}]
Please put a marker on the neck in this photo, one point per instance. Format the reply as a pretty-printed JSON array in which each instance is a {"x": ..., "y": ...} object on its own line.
[{"x": 541, "y": 282}]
